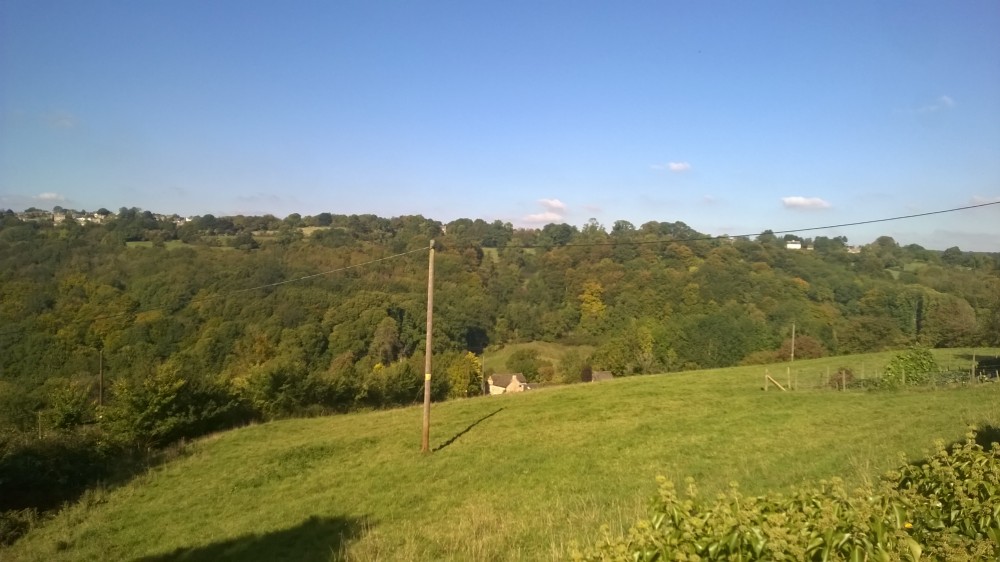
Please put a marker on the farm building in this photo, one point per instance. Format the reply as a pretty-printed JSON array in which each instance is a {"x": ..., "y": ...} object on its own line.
[{"x": 507, "y": 382}]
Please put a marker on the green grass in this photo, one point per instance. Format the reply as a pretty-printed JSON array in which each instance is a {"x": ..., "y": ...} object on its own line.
[
  {"x": 547, "y": 351},
  {"x": 915, "y": 266},
  {"x": 513, "y": 477},
  {"x": 169, "y": 244}
]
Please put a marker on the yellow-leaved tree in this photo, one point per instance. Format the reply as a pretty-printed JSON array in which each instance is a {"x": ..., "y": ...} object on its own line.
[
  {"x": 592, "y": 307},
  {"x": 465, "y": 376}
]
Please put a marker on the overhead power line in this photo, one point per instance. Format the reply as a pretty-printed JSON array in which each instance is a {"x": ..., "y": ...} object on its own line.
[
  {"x": 788, "y": 231},
  {"x": 577, "y": 244}
]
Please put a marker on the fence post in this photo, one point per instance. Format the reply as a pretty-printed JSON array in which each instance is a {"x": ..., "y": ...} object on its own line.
[
  {"x": 765, "y": 380},
  {"x": 843, "y": 381}
]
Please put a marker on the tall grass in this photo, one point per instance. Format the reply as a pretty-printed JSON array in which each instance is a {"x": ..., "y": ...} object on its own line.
[{"x": 516, "y": 477}]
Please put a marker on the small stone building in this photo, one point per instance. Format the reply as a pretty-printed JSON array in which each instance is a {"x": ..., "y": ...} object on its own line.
[{"x": 507, "y": 382}]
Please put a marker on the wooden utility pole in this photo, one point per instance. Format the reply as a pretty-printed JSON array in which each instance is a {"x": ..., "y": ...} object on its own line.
[
  {"x": 100, "y": 377},
  {"x": 426, "y": 438},
  {"x": 793, "y": 341}
]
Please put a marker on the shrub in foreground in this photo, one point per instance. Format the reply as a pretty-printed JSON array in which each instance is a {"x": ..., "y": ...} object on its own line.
[{"x": 944, "y": 508}]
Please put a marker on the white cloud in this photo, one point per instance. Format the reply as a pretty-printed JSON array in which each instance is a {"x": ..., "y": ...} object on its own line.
[
  {"x": 553, "y": 205},
  {"x": 49, "y": 196},
  {"x": 942, "y": 103},
  {"x": 555, "y": 211},
  {"x": 545, "y": 217},
  {"x": 676, "y": 167},
  {"x": 799, "y": 202},
  {"x": 980, "y": 200}
]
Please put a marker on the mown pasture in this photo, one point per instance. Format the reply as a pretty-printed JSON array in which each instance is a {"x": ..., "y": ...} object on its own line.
[{"x": 511, "y": 477}]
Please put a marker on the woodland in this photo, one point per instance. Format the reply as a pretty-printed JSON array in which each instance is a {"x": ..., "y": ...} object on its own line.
[{"x": 140, "y": 330}]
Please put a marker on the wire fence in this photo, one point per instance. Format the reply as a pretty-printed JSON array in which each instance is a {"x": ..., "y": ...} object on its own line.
[{"x": 795, "y": 378}]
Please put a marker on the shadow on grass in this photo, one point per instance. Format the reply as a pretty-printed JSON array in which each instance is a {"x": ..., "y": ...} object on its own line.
[
  {"x": 466, "y": 430},
  {"x": 317, "y": 539},
  {"x": 987, "y": 435}
]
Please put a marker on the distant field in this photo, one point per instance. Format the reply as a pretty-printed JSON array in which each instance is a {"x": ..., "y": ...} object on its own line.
[
  {"x": 512, "y": 477},
  {"x": 170, "y": 244},
  {"x": 307, "y": 231},
  {"x": 551, "y": 352},
  {"x": 494, "y": 253}
]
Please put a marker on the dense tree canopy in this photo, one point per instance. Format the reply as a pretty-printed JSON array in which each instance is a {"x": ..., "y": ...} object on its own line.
[{"x": 231, "y": 309}]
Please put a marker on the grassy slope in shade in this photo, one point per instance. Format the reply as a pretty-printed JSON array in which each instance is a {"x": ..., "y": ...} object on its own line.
[
  {"x": 513, "y": 477},
  {"x": 547, "y": 351}
]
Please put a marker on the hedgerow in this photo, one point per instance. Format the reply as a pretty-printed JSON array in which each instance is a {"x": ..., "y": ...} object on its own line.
[{"x": 944, "y": 508}]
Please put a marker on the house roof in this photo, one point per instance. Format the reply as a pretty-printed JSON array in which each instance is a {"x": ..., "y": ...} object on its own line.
[
  {"x": 601, "y": 376},
  {"x": 503, "y": 379}
]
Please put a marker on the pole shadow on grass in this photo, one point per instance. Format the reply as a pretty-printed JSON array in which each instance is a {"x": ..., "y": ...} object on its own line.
[
  {"x": 466, "y": 430},
  {"x": 317, "y": 539}
]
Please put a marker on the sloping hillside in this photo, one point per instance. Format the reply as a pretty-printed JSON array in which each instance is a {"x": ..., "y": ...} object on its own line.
[{"x": 511, "y": 477}]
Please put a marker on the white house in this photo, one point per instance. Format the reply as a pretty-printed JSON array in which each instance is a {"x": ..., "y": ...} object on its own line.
[{"x": 507, "y": 382}]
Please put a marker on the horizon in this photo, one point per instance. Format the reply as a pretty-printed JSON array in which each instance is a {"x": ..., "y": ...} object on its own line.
[
  {"x": 731, "y": 118},
  {"x": 803, "y": 234}
]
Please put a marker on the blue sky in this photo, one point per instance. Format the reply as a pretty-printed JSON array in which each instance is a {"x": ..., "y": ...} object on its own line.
[{"x": 733, "y": 117}]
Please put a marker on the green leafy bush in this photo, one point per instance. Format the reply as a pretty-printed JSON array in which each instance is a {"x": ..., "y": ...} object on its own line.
[
  {"x": 166, "y": 407},
  {"x": 945, "y": 508},
  {"x": 914, "y": 366}
]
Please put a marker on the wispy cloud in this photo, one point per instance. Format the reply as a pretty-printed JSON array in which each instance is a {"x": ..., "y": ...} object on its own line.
[
  {"x": 676, "y": 167},
  {"x": 555, "y": 211},
  {"x": 553, "y": 205},
  {"x": 61, "y": 120},
  {"x": 804, "y": 203},
  {"x": 49, "y": 197},
  {"x": 980, "y": 200},
  {"x": 546, "y": 217},
  {"x": 940, "y": 104}
]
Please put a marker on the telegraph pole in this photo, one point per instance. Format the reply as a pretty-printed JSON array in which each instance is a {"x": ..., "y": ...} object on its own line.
[
  {"x": 426, "y": 438},
  {"x": 793, "y": 341},
  {"x": 100, "y": 375}
]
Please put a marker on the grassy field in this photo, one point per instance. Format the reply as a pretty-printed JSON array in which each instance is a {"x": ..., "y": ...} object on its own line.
[
  {"x": 496, "y": 360},
  {"x": 516, "y": 477},
  {"x": 169, "y": 244}
]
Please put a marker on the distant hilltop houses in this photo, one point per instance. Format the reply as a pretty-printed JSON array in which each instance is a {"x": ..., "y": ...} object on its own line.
[
  {"x": 800, "y": 245},
  {"x": 494, "y": 234},
  {"x": 59, "y": 216}
]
